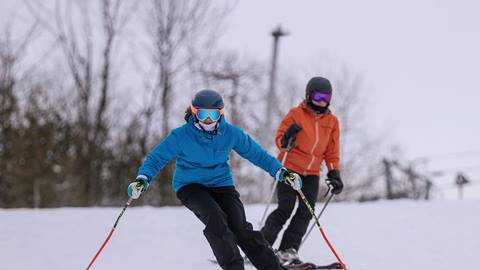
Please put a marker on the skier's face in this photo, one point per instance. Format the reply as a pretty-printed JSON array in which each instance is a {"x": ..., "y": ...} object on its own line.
[
  {"x": 207, "y": 121},
  {"x": 320, "y": 103},
  {"x": 208, "y": 124}
]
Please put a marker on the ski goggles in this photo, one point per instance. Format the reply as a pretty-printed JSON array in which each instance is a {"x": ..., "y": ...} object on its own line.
[
  {"x": 319, "y": 96},
  {"x": 203, "y": 114}
]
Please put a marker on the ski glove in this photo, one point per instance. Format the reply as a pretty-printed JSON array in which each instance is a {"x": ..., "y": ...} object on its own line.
[
  {"x": 334, "y": 180},
  {"x": 290, "y": 178},
  {"x": 136, "y": 188},
  {"x": 290, "y": 135}
]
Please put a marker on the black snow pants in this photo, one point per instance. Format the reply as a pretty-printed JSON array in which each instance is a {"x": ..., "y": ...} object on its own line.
[
  {"x": 292, "y": 237},
  {"x": 223, "y": 214}
]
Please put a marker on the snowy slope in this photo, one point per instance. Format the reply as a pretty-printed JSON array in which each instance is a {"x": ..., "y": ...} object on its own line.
[{"x": 375, "y": 236}]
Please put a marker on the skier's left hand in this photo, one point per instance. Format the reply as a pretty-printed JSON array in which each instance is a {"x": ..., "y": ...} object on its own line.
[
  {"x": 334, "y": 180},
  {"x": 288, "y": 138},
  {"x": 290, "y": 178}
]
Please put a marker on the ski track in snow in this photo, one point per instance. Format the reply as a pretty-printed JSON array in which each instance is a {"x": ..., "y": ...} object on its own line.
[{"x": 371, "y": 236}]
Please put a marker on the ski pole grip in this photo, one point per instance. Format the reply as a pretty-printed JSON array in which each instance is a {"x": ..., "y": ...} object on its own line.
[
  {"x": 329, "y": 185},
  {"x": 289, "y": 144}
]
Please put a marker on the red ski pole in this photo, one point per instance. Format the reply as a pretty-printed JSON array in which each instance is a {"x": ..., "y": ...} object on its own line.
[
  {"x": 312, "y": 212},
  {"x": 111, "y": 232}
]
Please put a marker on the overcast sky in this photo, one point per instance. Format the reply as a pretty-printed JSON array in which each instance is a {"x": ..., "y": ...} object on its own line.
[{"x": 421, "y": 59}]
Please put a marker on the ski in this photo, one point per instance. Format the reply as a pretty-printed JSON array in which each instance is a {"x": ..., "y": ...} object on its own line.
[
  {"x": 302, "y": 266},
  {"x": 309, "y": 266}
]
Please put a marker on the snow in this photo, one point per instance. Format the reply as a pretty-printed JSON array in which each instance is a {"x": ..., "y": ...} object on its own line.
[{"x": 371, "y": 236}]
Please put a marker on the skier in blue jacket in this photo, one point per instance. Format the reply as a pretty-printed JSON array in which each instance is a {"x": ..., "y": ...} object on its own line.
[{"x": 203, "y": 181}]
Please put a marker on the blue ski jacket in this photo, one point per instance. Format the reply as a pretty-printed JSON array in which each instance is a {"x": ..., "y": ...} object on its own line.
[{"x": 202, "y": 157}]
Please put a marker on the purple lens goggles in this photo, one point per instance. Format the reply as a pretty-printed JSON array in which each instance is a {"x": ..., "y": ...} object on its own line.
[{"x": 319, "y": 96}]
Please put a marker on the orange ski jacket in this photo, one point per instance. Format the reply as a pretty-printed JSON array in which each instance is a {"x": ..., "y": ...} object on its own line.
[{"x": 318, "y": 140}]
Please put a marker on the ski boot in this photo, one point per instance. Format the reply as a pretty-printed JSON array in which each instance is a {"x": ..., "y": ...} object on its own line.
[{"x": 288, "y": 257}]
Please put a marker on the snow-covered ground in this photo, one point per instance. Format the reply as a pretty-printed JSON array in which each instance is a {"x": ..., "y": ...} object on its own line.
[{"x": 372, "y": 236}]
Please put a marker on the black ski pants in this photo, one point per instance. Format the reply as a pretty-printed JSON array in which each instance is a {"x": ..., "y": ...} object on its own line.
[
  {"x": 223, "y": 214},
  {"x": 292, "y": 237}
]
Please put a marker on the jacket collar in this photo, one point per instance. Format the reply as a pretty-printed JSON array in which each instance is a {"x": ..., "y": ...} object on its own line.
[
  {"x": 220, "y": 128},
  {"x": 304, "y": 106}
]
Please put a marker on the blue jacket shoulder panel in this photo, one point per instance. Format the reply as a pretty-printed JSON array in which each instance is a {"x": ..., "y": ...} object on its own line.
[
  {"x": 162, "y": 154},
  {"x": 246, "y": 147}
]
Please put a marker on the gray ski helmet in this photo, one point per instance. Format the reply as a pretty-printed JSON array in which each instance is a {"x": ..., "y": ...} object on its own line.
[
  {"x": 318, "y": 84},
  {"x": 207, "y": 99}
]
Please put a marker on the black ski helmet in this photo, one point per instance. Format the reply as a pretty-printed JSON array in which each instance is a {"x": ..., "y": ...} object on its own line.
[
  {"x": 318, "y": 84},
  {"x": 207, "y": 98}
]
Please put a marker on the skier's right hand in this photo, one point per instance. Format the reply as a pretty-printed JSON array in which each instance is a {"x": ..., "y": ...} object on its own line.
[
  {"x": 288, "y": 138},
  {"x": 334, "y": 181},
  {"x": 138, "y": 186}
]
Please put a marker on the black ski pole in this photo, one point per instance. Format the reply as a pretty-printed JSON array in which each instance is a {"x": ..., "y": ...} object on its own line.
[{"x": 284, "y": 158}]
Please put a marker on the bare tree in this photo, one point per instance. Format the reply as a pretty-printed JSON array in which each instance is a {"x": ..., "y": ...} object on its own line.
[
  {"x": 175, "y": 30},
  {"x": 92, "y": 83},
  {"x": 233, "y": 74},
  {"x": 12, "y": 51}
]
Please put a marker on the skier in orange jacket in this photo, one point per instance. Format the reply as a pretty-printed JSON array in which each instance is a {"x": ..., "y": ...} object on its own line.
[{"x": 309, "y": 134}]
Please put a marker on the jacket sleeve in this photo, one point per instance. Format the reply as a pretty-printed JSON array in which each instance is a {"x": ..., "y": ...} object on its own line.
[
  {"x": 332, "y": 153},
  {"x": 286, "y": 122},
  {"x": 161, "y": 155},
  {"x": 246, "y": 147}
]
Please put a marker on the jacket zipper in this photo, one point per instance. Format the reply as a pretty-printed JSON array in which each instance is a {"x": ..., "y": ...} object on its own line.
[{"x": 314, "y": 145}]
